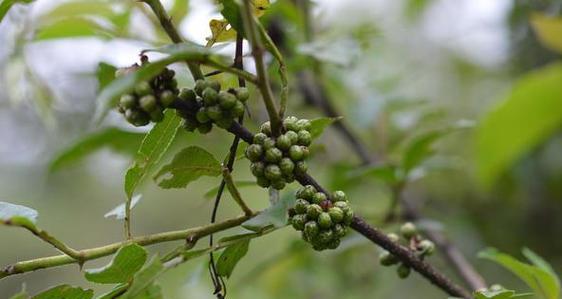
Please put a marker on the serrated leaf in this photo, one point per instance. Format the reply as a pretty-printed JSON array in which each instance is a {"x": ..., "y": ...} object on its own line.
[
  {"x": 144, "y": 279},
  {"x": 187, "y": 166},
  {"x": 152, "y": 149},
  {"x": 5, "y": 5},
  {"x": 72, "y": 27},
  {"x": 16, "y": 214},
  {"x": 541, "y": 281},
  {"x": 320, "y": 124},
  {"x": 527, "y": 117},
  {"x": 230, "y": 257},
  {"x": 213, "y": 192},
  {"x": 113, "y": 138},
  {"x": 275, "y": 215},
  {"x": 65, "y": 292},
  {"x": 119, "y": 211},
  {"x": 548, "y": 30},
  {"x": 105, "y": 74},
  {"x": 127, "y": 261}
]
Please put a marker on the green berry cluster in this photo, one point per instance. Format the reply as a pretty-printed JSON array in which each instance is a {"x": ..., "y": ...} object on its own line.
[
  {"x": 322, "y": 220},
  {"x": 414, "y": 242},
  {"x": 149, "y": 98},
  {"x": 276, "y": 161},
  {"x": 206, "y": 105}
]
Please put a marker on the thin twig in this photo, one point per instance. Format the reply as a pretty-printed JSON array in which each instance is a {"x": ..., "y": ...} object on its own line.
[{"x": 234, "y": 191}]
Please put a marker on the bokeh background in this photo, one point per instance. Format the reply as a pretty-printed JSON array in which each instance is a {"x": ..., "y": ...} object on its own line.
[{"x": 393, "y": 69}]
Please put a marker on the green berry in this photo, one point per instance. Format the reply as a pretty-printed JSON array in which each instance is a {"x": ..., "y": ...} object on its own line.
[
  {"x": 293, "y": 136},
  {"x": 210, "y": 96},
  {"x": 408, "y": 230},
  {"x": 426, "y": 247},
  {"x": 205, "y": 128},
  {"x": 242, "y": 94},
  {"x": 296, "y": 153},
  {"x": 313, "y": 211},
  {"x": 227, "y": 100},
  {"x": 334, "y": 243},
  {"x": 287, "y": 166},
  {"x": 290, "y": 123},
  {"x": 137, "y": 118},
  {"x": 143, "y": 88},
  {"x": 339, "y": 230},
  {"x": 268, "y": 143},
  {"x": 202, "y": 116},
  {"x": 279, "y": 184},
  {"x": 200, "y": 86},
  {"x": 273, "y": 155},
  {"x": 214, "y": 85},
  {"x": 305, "y": 152},
  {"x": 266, "y": 128},
  {"x": 324, "y": 220},
  {"x": 393, "y": 237},
  {"x": 325, "y": 236},
  {"x": 283, "y": 142},
  {"x": 190, "y": 124},
  {"x": 254, "y": 152},
  {"x": 289, "y": 178},
  {"x": 167, "y": 97},
  {"x": 259, "y": 138},
  {"x": 319, "y": 197},
  {"x": 387, "y": 259},
  {"x": 403, "y": 271},
  {"x": 238, "y": 109},
  {"x": 156, "y": 115},
  {"x": 170, "y": 84},
  {"x": 344, "y": 206},
  {"x": 336, "y": 214},
  {"x": 263, "y": 182},
  {"x": 303, "y": 124},
  {"x": 214, "y": 112},
  {"x": 311, "y": 229},
  {"x": 306, "y": 192},
  {"x": 348, "y": 216},
  {"x": 127, "y": 101},
  {"x": 301, "y": 167},
  {"x": 339, "y": 196},
  {"x": 301, "y": 205},
  {"x": 304, "y": 138},
  {"x": 272, "y": 172},
  {"x": 257, "y": 168},
  {"x": 188, "y": 95},
  {"x": 299, "y": 221}
]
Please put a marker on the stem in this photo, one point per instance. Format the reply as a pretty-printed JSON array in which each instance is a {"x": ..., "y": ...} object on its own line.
[
  {"x": 127, "y": 222},
  {"x": 172, "y": 32},
  {"x": 45, "y": 236},
  {"x": 94, "y": 253},
  {"x": 237, "y": 72},
  {"x": 263, "y": 80},
  {"x": 234, "y": 191}
]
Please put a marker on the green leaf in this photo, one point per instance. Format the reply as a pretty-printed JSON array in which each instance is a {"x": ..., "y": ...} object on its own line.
[
  {"x": 75, "y": 8},
  {"x": 153, "y": 291},
  {"x": 387, "y": 173},
  {"x": 538, "y": 261},
  {"x": 144, "y": 279},
  {"x": 65, "y": 292},
  {"x": 239, "y": 237},
  {"x": 105, "y": 74},
  {"x": 128, "y": 260},
  {"x": 21, "y": 295},
  {"x": 213, "y": 192},
  {"x": 541, "y": 281},
  {"x": 114, "y": 138},
  {"x": 117, "y": 290},
  {"x": 231, "y": 12},
  {"x": 548, "y": 30},
  {"x": 321, "y": 123},
  {"x": 275, "y": 215},
  {"x": 231, "y": 256},
  {"x": 152, "y": 149},
  {"x": 187, "y": 166},
  {"x": 420, "y": 149},
  {"x": 191, "y": 254},
  {"x": 527, "y": 117},
  {"x": 119, "y": 211},
  {"x": 179, "y": 11},
  {"x": 5, "y": 5},
  {"x": 16, "y": 214},
  {"x": 72, "y": 27}
]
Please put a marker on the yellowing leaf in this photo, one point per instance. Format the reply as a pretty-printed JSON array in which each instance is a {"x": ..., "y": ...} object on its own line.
[
  {"x": 260, "y": 6},
  {"x": 221, "y": 31},
  {"x": 548, "y": 30}
]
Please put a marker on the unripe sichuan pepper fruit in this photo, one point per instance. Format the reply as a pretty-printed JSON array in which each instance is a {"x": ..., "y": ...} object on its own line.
[
  {"x": 276, "y": 161},
  {"x": 149, "y": 98},
  {"x": 322, "y": 220},
  {"x": 206, "y": 104}
]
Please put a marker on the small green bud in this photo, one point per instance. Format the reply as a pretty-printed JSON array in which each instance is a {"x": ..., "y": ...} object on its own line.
[
  {"x": 287, "y": 166},
  {"x": 296, "y": 153},
  {"x": 293, "y": 136},
  {"x": 205, "y": 128},
  {"x": 214, "y": 85},
  {"x": 304, "y": 138},
  {"x": 167, "y": 98},
  {"x": 156, "y": 115},
  {"x": 289, "y": 178},
  {"x": 324, "y": 220},
  {"x": 254, "y": 152},
  {"x": 127, "y": 101},
  {"x": 339, "y": 196},
  {"x": 263, "y": 182},
  {"x": 272, "y": 172},
  {"x": 278, "y": 184},
  {"x": 257, "y": 168},
  {"x": 334, "y": 243},
  {"x": 301, "y": 205},
  {"x": 227, "y": 100},
  {"x": 283, "y": 142},
  {"x": 408, "y": 230},
  {"x": 290, "y": 123},
  {"x": 273, "y": 155},
  {"x": 238, "y": 109},
  {"x": 403, "y": 271},
  {"x": 426, "y": 247},
  {"x": 344, "y": 206},
  {"x": 200, "y": 86},
  {"x": 306, "y": 192},
  {"x": 268, "y": 143},
  {"x": 210, "y": 96},
  {"x": 301, "y": 167},
  {"x": 339, "y": 230},
  {"x": 143, "y": 88},
  {"x": 242, "y": 94},
  {"x": 311, "y": 229},
  {"x": 336, "y": 214},
  {"x": 393, "y": 237},
  {"x": 259, "y": 138},
  {"x": 214, "y": 112},
  {"x": 319, "y": 197},
  {"x": 325, "y": 236},
  {"x": 137, "y": 118},
  {"x": 298, "y": 221},
  {"x": 202, "y": 116},
  {"x": 348, "y": 216},
  {"x": 266, "y": 128},
  {"x": 313, "y": 211},
  {"x": 303, "y": 124},
  {"x": 188, "y": 95},
  {"x": 387, "y": 259}
]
